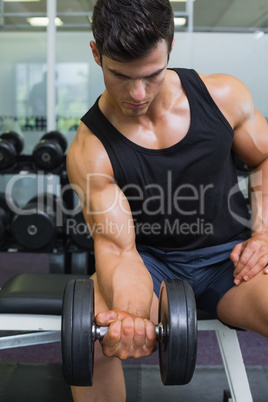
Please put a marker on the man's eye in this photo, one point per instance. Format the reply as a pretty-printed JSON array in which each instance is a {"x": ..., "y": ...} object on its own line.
[{"x": 155, "y": 75}]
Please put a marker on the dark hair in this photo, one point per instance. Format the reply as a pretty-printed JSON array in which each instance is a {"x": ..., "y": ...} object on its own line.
[{"x": 125, "y": 30}]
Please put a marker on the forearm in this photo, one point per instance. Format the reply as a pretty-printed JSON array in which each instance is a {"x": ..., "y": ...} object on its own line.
[
  {"x": 124, "y": 281},
  {"x": 259, "y": 198}
]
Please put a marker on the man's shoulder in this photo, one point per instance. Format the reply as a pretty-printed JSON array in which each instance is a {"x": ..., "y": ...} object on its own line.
[
  {"x": 230, "y": 94},
  {"x": 222, "y": 82},
  {"x": 87, "y": 153}
]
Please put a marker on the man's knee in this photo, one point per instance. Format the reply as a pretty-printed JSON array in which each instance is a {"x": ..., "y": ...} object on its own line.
[{"x": 246, "y": 306}]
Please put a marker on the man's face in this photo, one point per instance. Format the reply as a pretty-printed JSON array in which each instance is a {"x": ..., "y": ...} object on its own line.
[{"x": 134, "y": 85}]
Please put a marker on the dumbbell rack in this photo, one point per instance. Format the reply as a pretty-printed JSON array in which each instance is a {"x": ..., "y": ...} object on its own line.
[{"x": 65, "y": 255}]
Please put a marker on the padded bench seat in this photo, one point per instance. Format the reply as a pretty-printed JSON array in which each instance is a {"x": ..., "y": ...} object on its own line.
[{"x": 35, "y": 293}]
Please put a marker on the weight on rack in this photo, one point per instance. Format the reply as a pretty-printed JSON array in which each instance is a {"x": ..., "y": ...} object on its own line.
[
  {"x": 6, "y": 202},
  {"x": 11, "y": 144},
  {"x": 36, "y": 226},
  {"x": 49, "y": 152},
  {"x": 176, "y": 332}
]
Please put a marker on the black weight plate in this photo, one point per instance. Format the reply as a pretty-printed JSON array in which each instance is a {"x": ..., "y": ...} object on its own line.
[
  {"x": 7, "y": 154},
  {"x": 34, "y": 231},
  {"x": 192, "y": 332},
  {"x": 58, "y": 137},
  {"x": 15, "y": 138},
  {"x": 78, "y": 343},
  {"x": 47, "y": 155},
  {"x": 7, "y": 208},
  {"x": 2, "y": 231},
  {"x": 47, "y": 202},
  {"x": 67, "y": 332},
  {"x": 7, "y": 203},
  {"x": 177, "y": 313},
  {"x": 44, "y": 199},
  {"x": 83, "y": 342}
]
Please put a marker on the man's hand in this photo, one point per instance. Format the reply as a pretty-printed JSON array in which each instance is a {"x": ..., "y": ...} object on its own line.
[
  {"x": 250, "y": 257},
  {"x": 128, "y": 335}
]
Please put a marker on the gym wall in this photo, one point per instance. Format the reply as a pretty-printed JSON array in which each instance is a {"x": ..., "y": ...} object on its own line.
[{"x": 79, "y": 79}]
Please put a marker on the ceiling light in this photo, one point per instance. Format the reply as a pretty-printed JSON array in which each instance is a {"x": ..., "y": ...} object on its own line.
[
  {"x": 43, "y": 21},
  {"x": 20, "y": 1},
  {"x": 259, "y": 34},
  {"x": 179, "y": 21}
]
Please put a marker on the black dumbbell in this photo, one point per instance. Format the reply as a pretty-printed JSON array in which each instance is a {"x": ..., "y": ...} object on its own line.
[
  {"x": 36, "y": 226},
  {"x": 2, "y": 231},
  {"x": 6, "y": 203},
  {"x": 176, "y": 332},
  {"x": 48, "y": 153},
  {"x": 11, "y": 144}
]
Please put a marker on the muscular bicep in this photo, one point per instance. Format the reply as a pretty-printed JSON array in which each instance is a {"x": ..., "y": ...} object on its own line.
[
  {"x": 251, "y": 139},
  {"x": 109, "y": 217},
  {"x": 236, "y": 103},
  {"x": 105, "y": 207}
]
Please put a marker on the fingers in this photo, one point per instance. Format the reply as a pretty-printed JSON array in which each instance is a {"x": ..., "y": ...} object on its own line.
[
  {"x": 130, "y": 337},
  {"x": 106, "y": 318},
  {"x": 249, "y": 258},
  {"x": 251, "y": 269},
  {"x": 236, "y": 253},
  {"x": 111, "y": 341},
  {"x": 144, "y": 338}
]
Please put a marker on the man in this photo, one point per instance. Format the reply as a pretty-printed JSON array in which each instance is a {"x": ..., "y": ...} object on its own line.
[{"x": 153, "y": 164}]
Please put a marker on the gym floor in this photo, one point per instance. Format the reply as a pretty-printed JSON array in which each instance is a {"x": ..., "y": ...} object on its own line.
[{"x": 33, "y": 374}]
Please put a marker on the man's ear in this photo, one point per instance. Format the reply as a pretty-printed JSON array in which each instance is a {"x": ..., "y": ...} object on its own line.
[
  {"x": 172, "y": 45},
  {"x": 95, "y": 52}
]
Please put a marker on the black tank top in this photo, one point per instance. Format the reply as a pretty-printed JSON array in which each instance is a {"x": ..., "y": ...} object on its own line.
[{"x": 186, "y": 196}]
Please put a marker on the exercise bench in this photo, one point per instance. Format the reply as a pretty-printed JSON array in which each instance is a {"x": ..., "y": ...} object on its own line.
[
  {"x": 32, "y": 305},
  {"x": 231, "y": 356}
]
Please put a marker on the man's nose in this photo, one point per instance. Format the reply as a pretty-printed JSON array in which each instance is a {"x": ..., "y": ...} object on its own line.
[{"x": 137, "y": 90}]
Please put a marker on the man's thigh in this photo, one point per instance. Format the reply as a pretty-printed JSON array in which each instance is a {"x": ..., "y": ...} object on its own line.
[
  {"x": 246, "y": 305},
  {"x": 209, "y": 283},
  {"x": 212, "y": 283}
]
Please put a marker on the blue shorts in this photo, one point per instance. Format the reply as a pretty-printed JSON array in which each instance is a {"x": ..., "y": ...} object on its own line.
[{"x": 208, "y": 270}]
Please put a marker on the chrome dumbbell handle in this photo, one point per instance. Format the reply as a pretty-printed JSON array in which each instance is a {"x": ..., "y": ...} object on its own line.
[{"x": 98, "y": 332}]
